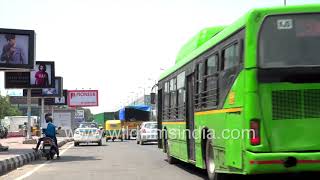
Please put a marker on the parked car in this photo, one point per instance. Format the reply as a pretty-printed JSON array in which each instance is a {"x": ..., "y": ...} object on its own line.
[
  {"x": 147, "y": 133},
  {"x": 88, "y": 133}
]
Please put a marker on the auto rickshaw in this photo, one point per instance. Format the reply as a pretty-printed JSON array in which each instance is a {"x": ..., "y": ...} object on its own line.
[{"x": 113, "y": 130}]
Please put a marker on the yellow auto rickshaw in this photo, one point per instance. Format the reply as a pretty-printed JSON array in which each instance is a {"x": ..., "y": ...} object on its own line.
[{"x": 113, "y": 130}]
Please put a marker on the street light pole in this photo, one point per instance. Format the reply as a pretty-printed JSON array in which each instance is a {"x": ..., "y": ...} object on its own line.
[{"x": 285, "y": 2}]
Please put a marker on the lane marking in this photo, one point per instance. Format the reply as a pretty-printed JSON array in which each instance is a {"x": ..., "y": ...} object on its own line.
[{"x": 41, "y": 165}]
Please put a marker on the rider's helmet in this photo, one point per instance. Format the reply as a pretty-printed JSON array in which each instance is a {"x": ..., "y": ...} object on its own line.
[{"x": 48, "y": 117}]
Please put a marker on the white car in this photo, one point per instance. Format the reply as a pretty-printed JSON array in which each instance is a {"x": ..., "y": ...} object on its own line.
[
  {"x": 148, "y": 132},
  {"x": 88, "y": 133}
]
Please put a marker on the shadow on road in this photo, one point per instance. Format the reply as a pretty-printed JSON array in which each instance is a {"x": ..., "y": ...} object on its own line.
[
  {"x": 118, "y": 141},
  {"x": 75, "y": 158},
  {"x": 150, "y": 144},
  {"x": 191, "y": 169},
  {"x": 89, "y": 145}
]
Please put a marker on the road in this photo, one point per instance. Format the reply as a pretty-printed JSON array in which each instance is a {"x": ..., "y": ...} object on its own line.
[
  {"x": 116, "y": 161},
  {"x": 113, "y": 160}
]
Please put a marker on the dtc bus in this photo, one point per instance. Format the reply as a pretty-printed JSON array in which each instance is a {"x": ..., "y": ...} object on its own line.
[{"x": 260, "y": 75}]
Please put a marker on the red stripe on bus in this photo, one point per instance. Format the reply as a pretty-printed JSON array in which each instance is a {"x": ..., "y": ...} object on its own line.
[
  {"x": 267, "y": 162},
  {"x": 308, "y": 161}
]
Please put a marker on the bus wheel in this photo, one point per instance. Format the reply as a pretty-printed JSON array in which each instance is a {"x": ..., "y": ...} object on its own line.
[
  {"x": 170, "y": 159},
  {"x": 211, "y": 167}
]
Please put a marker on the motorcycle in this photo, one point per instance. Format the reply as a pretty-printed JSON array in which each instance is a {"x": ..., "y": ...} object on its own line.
[{"x": 48, "y": 148}]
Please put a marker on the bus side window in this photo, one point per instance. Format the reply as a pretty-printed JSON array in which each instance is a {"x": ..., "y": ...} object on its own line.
[
  {"x": 200, "y": 70},
  {"x": 231, "y": 57},
  {"x": 173, "y": 98},
  {"x": 210, "y": 79},
  {"x": 166, "y": 113},
  {"x": 181, "y": 93}
]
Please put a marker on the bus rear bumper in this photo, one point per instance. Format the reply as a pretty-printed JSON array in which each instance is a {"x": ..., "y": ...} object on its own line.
[{"x": 288, "y": 162}]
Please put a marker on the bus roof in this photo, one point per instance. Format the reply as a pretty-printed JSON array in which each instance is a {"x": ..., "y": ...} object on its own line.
[
  {"x": 187, "y": 54},
  {"x": 196, "y": 41}
]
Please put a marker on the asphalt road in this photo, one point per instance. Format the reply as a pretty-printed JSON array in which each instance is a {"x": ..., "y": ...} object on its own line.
[
  {"x": 116, "y": 161},
  {"x": 113, "y": 160}
]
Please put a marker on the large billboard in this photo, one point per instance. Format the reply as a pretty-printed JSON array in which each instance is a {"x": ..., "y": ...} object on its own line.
[
  {"x": 41, "y": 77},
  {"x": 56, "y": 91},
  {"x": 56, "y": 101},
  {"x": 17, "y": 49},
  {"x": 47, "y": 92},
  {"x": 83, "y": 98}
]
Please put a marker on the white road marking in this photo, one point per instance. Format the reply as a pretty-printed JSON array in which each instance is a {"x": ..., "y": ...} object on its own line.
[{"x": 41, "y": 165}]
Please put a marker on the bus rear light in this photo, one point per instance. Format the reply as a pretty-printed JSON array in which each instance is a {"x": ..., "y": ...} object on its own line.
[{"x": 255, "y": 132}]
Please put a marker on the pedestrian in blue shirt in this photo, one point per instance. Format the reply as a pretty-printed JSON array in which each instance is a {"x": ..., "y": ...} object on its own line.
[{"x": 49, "y": 132}]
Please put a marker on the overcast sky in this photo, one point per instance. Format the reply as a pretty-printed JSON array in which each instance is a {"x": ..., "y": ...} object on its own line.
[{"x": 115, "y": 46}]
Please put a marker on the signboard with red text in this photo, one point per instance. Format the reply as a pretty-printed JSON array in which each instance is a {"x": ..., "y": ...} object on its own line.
[{"x": 83, "y": 98}]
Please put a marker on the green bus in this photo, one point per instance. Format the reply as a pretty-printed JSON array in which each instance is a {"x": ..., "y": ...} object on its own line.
[{"x": 251, "y": 90}]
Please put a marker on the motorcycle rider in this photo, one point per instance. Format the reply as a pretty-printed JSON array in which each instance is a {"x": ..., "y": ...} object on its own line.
[{"x": 49, "y": 132}]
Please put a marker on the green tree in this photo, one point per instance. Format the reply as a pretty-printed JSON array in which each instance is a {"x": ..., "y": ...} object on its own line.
[{"x": 6, "y": 109}]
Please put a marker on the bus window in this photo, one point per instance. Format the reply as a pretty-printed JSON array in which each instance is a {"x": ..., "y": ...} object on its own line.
[
  {"x": 173, "y": 98},
  {"x": 231, "y": 57},
  {"x": 166, "y": 113},
  {"x": 210, "y": 82},
  {"x": 200, "y": 70},
  {"x": 290, "y": 41},
  {"x": 181, "y": 95}
]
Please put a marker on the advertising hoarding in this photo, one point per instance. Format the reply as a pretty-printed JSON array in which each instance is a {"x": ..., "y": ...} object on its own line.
[
  {"x": 56, "y": 101},
  {"x": 17, "y": 49},
  {"x": 47, "y": 92},
  {"x": 83, "y": 98},
  {"x": 41, "y": 77}
]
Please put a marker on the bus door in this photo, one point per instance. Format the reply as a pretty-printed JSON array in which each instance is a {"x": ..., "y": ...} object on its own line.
[{"x": 190, "y": 117}]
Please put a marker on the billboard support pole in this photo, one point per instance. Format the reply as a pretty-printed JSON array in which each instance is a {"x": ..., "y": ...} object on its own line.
[
  {"x": 52, "y": 110},
  {"x": 29, "y": 114},
  {"x": 42, "y": 112}
]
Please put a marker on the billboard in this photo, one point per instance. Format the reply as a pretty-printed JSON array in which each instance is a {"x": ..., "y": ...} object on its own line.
[
  {"x": 56, "y": 101},
  {"x": 41, "y": 77},
  {"x": 15, "y": 92},
  {"x": 56, "y": 91},
  {"x": 17, "y": 49},
  {"x": 83, "y": 98},
  {"x": 47, "y": 92}
]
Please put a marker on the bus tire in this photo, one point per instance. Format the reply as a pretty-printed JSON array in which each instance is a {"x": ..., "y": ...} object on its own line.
[
  {"x": 170, "y": 159},
  {"x": 210, "y": 164}
]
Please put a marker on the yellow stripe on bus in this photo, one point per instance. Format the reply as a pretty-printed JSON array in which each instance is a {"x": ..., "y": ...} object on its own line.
[
  {"x": 166, "y": 123},
  {"x": 219, "y": 111}
]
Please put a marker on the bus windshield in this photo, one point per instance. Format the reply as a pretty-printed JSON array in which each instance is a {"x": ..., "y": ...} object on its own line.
[{"x": 290, "y": 41}]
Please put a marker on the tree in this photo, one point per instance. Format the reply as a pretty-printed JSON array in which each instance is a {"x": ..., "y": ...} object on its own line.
[{"x": 6, "y": 109}]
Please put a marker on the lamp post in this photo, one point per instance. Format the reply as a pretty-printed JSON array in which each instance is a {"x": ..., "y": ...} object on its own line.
[{"x": 285, "y": 2}]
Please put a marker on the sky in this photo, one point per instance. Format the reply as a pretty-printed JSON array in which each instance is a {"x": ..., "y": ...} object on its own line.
[{"x": 119, "y": 47}]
